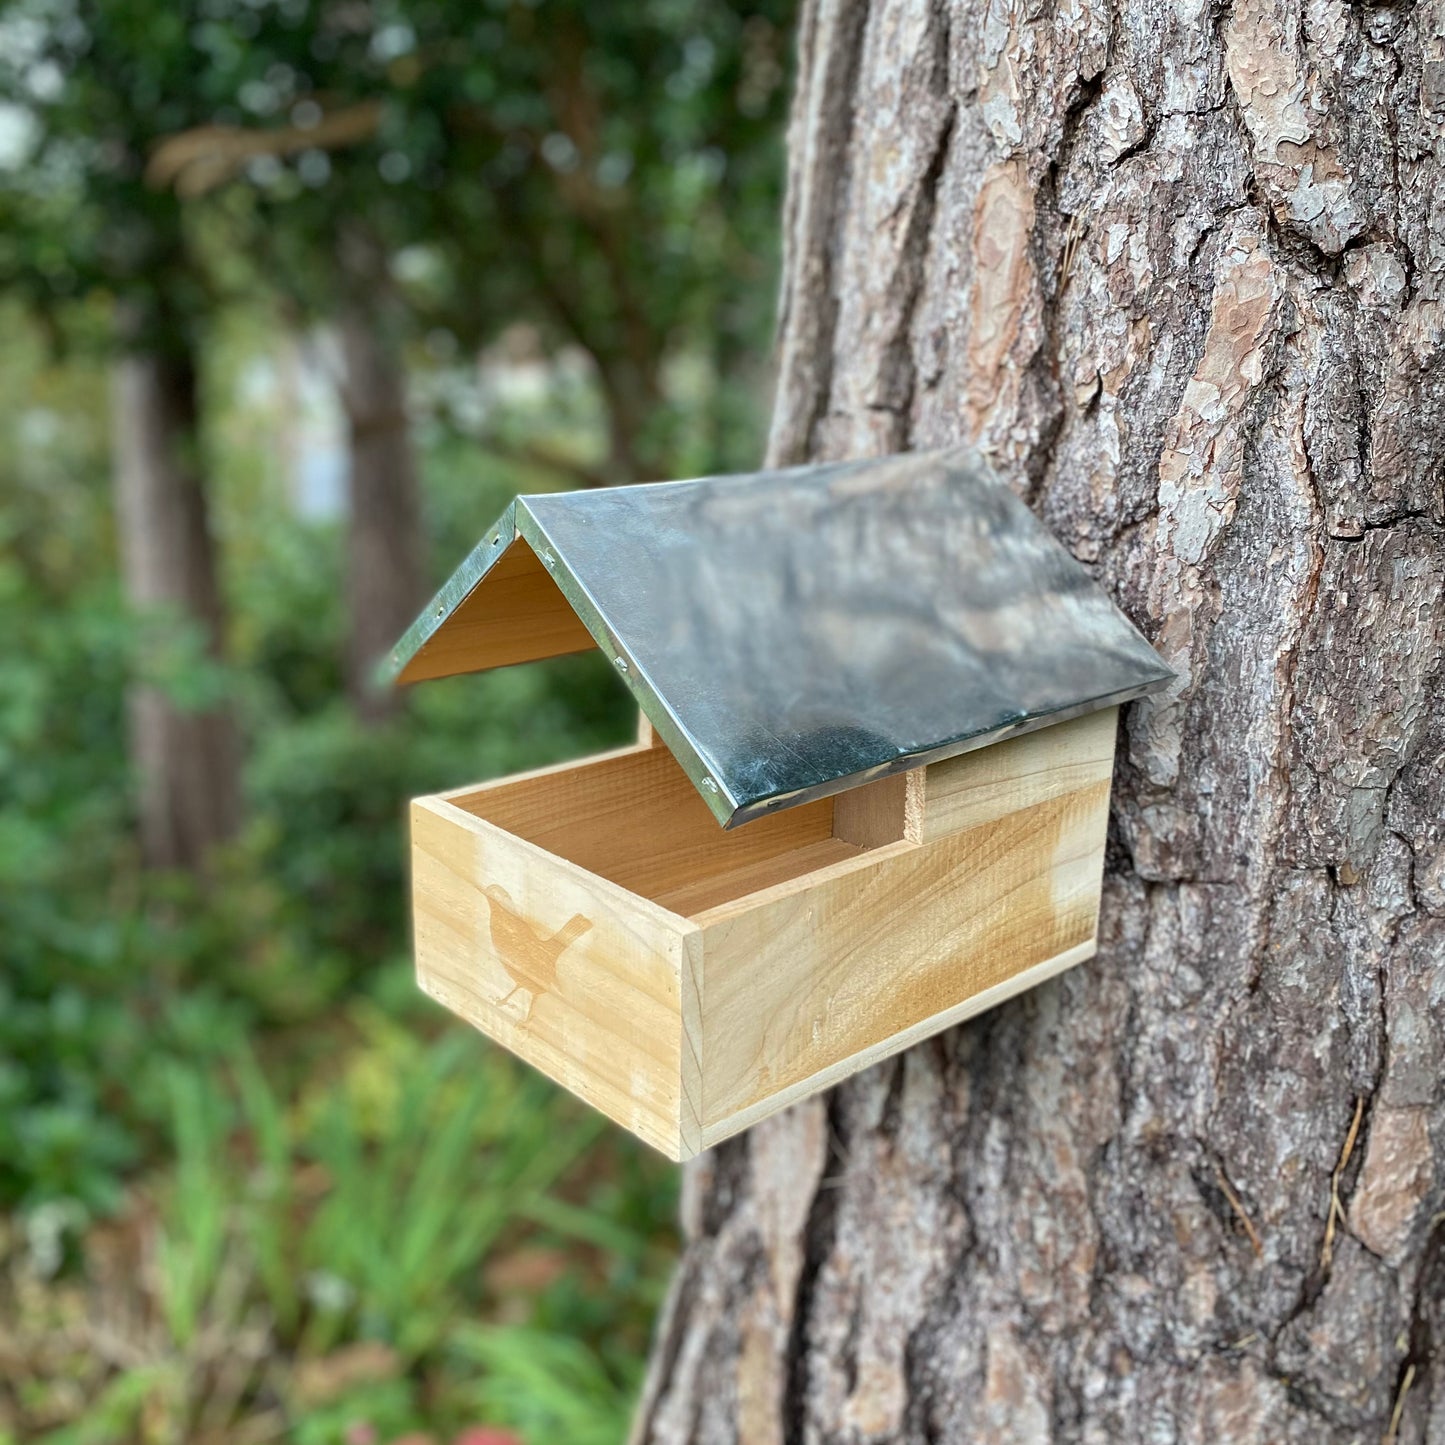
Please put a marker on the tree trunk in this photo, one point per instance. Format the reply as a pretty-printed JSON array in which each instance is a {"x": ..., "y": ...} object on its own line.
[
  {"x": 185, "y": 760},
  {"x": 384, "y": 584},
  {"x": 633, "y": 396},
  {"x": 1181, "y": 269}
]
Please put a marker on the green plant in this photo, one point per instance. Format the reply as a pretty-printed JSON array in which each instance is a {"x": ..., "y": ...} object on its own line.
[
  {"x": 548, "y": 1386},
  {"x": 252, "y": 1185},
  {"x": 420, "y": 1191},
  {"x": 321, "y": 1262},
  {"x": 193, "y": 1241}
]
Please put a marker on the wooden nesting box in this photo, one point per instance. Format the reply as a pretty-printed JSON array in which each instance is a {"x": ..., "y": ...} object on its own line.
[{"x": 869, "y": 799}]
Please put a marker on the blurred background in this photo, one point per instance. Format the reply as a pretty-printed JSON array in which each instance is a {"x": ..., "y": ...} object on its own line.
[{"x": 294, "y": 296}]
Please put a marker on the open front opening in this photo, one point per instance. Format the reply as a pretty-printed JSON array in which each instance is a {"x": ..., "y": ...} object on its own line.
[{"x": 635, "y": 819}]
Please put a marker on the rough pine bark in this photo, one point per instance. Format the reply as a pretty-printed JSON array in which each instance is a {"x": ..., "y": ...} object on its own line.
[
  {"x": 185, "y": 760},
  {"x": 384, "y": 580},
  {"x": 1179, "y": 266}
]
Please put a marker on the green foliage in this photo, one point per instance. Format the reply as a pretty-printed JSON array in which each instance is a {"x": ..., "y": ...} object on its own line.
[
  {"x": 547, "y": 1385},
  {"x": 609, "y": 175},
  {"x": 323, "y": 1259},
  {"x": 60, "y": 821},
  {"x": 108, "y": 974},
  {"x": 92, "y": 86},
  {"x": 227, "y": 1119},
  {"x": 322, "y": 1183}
]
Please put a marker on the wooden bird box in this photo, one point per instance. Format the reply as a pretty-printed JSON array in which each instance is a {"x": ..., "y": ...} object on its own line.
[{"x": 870, "y": 802}]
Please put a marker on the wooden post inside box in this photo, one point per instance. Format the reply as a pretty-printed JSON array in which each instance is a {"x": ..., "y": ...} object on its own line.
[{"x": 870, "y": 800}]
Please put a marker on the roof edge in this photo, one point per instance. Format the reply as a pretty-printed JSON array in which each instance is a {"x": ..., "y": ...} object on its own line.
[
  {"x": 544, "y": 595},
  {"x": 908, "y": 762},
  {"x": 690, "y": 756},
  {"x": 453, "y": 592},
  {"x": 519, "y": 524}
]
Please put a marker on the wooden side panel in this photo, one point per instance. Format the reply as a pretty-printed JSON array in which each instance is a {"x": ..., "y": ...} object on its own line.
[
  {"x": 968, "y": 790},
  {"x": 634, "y": 818},
  {"x": 516, "y": 613},
  {"x": 565, "y": 970},
  {"x": 843, "y": 971}
]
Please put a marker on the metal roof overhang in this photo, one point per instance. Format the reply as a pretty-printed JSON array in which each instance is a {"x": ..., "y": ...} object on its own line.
[{"x": 792, "y": 634}]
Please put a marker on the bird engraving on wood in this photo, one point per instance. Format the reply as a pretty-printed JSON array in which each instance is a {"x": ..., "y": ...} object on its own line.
[{"x": 528, "y": 956}]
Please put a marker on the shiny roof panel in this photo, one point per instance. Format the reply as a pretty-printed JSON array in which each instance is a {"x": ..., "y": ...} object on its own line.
[{"x": 794, "y": 633}]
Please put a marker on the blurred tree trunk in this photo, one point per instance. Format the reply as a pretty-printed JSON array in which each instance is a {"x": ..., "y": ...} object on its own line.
[
  {"x": 633, "y": 394},
  {"x": 185, "y": 760},
  {"x": 384, "y": 581},
  {"x": 1182, "y": 272}
]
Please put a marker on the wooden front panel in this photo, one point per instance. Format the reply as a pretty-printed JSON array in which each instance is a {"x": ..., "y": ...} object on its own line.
[
  {"x": 806, "y": 984},
  {"x": 564, "y": 969}
]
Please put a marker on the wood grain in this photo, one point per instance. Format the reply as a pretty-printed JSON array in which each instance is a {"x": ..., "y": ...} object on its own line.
[
  {"x": 571, "y": 973},
  {"x": 834, "y": 1073},
  {"x": 516, "y": 613},
  {"x": 595, "y": 919},
  {"x": 1034, "y": 768},
  {"x": 634, "y": 818},
  {"x": 883, "y": 812},
  {"x": 690, "y": 1085},
  {"x": 793, "y": 871},
  {"x": 817, "y": 974}
]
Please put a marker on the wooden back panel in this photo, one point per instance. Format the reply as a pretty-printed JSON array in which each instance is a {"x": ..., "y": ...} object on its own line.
[{"x": 635, "y": 819}]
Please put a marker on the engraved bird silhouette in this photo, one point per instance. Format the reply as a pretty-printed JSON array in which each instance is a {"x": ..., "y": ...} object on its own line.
[{"x": 528, "y": 955}]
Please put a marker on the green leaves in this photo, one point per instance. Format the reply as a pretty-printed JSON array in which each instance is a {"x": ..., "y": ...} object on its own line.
[
  {"x": 194, "y": 1238},
  {"x": 610, "y": 174},
  {"x": 339, "y": 1212},
  {"x": 354, "y": 1226},
  {"x": 547, "y": 1386}
]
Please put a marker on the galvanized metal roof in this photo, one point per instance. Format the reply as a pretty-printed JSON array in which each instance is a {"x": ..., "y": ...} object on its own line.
[{"x": 791, "y": 634}]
